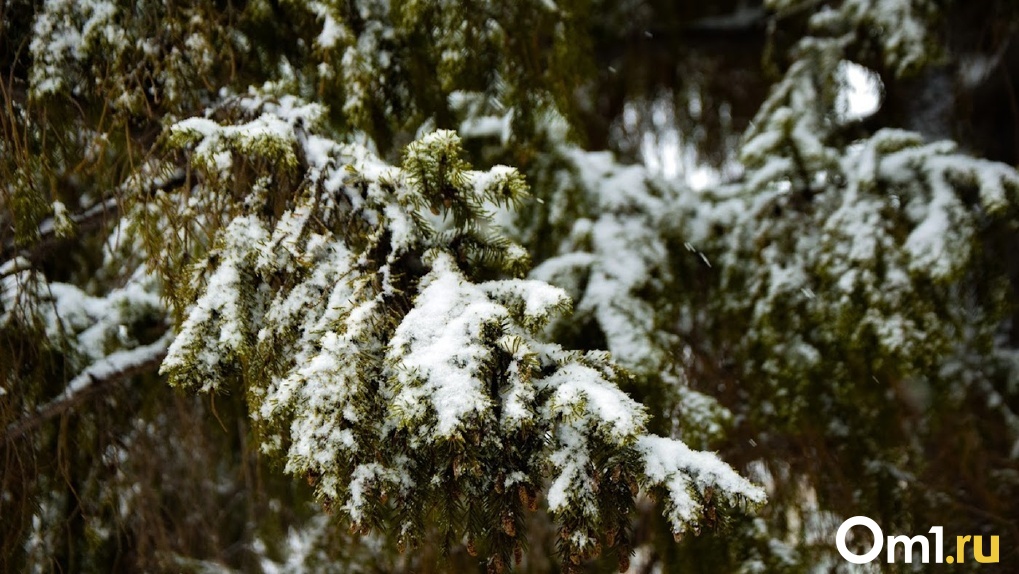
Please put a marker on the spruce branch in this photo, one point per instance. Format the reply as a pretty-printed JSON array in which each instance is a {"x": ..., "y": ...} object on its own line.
[{"x": 95, "y": 381}]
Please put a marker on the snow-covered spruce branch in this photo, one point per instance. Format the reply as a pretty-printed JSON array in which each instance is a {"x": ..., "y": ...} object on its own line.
[
  {"x": 99, "y": 341},
  {"x": 385, "y": 362},
  {"x": 105, "y": 373}
]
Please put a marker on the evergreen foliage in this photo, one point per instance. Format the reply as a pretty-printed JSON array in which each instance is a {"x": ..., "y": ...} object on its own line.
[
  {"x": 405, "y": 392},
  {"x": 271, "y": 298}
]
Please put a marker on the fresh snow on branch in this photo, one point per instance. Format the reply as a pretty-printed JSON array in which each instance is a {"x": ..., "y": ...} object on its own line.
[{"x": 381, "y": 368}]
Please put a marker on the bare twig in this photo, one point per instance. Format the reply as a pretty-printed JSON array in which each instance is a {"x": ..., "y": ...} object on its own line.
[{"x": 88, "y": 220}]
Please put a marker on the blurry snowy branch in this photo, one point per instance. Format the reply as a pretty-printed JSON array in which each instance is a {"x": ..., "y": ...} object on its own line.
[{"x": 114, "y": 369}]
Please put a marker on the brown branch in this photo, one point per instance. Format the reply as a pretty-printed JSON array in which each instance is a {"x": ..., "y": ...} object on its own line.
[{"x": 87, "y": 221}]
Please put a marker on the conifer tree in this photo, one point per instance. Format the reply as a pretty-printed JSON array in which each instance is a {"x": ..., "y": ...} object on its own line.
[{"x": 363, "y": 286}]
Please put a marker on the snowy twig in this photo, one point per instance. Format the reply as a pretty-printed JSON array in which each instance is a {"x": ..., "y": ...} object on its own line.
[{"x": 96, "y": 378}]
